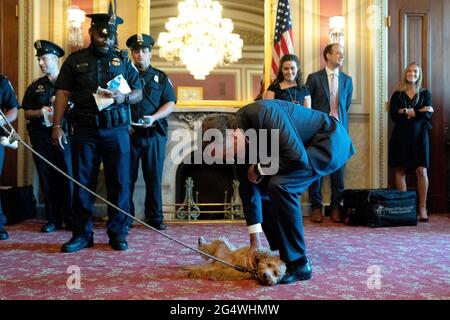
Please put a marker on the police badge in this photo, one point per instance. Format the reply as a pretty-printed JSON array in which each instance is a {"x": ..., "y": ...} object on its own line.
[
  {"x": 140, "y": 39},
  {"x": 116, "y": 62}
]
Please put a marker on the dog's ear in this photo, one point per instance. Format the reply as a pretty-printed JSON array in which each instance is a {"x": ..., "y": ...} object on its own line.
[{"x": 261, "y": 254}]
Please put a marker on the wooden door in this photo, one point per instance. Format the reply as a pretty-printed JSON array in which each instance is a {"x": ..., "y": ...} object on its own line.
[
  {"x": 419, "y": 32},
  {"x": 9, "y": 66}
]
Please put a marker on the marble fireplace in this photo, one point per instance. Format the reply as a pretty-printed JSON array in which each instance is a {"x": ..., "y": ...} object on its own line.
[{"x": 181, "y": 143}]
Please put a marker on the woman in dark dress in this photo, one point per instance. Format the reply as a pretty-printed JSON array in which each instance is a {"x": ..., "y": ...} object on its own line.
[
  {"x": 289, "y": 85},
  {"x": 409, "y": 147}
]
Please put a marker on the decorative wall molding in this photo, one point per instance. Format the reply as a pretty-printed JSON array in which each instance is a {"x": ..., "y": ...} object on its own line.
[
  {"x": 309, "y": 34},
  {"x": 380, "y": 119},
  {"x": 143, "y": 14}
]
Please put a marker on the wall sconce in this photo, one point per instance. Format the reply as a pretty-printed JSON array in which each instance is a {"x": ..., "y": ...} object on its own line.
[
  {"x": 76, "y": 17},
  {"x": 336, "y": 25}
]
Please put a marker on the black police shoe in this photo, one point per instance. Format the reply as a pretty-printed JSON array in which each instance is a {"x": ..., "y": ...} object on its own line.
[
  {"x": 297, "y": 272},
  {"x": 48, "y": 227},
  {"x": 77, "y": 243},
  {"x": 3, "y": 234},
  {"x": 158, "y": 226},
  {"x": 68, "y": 225},
  {"x": 118, "y": 244}
]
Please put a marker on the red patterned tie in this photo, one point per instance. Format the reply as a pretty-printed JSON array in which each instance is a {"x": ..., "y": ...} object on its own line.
[{"x": 334, "y": 110}]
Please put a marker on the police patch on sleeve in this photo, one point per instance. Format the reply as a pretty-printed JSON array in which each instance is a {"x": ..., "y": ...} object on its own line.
[{"x": 116, "y": 62}]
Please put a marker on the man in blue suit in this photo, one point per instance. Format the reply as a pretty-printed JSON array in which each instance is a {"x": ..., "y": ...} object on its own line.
[
  {"x": 309, "y": 144},
  {"x": 331, "y": 92}
]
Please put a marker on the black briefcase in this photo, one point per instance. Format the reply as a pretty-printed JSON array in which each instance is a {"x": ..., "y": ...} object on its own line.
[
  {"x": 18, "y": 204},
  {"x": 379, "y": 207}
]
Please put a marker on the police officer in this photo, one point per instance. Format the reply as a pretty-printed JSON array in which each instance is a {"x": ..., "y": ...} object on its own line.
[
  {"x": 149, "y": 128},
  {"x": 37, "y": 102},
  {"x": 9, "y": 106},
  {"x": 99, "y": 134}
]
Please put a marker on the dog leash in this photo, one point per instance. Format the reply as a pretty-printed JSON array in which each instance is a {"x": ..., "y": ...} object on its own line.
[{"x": 14, "y": 136}]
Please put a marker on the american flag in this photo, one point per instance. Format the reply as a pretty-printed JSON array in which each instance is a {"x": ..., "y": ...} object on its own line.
[{"x": 283, "y": 41}]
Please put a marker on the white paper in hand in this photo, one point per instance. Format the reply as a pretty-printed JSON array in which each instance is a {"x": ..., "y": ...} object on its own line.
[
  {"x": 101, "y": 99},
  {"x": 47, "y": 112},
  {"x": 120, "y": 84}
]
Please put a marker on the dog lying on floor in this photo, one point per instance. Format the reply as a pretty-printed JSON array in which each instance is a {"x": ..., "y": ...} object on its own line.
[{"x": 269, "y": 269}]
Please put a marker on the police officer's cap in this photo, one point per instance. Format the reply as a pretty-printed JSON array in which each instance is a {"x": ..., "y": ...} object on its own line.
[
  {"x": 104, "y": 23},
  {"x": 140, "y": 40},
  {"x": 44, "y": 47}
]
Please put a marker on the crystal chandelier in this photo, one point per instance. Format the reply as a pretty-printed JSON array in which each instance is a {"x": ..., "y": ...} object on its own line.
[
  {"x": 75, "y": 17},
  {"x": 200, "y": 38}
]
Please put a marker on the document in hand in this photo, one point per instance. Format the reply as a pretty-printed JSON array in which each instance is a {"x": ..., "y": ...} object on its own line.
[
  {"x": 120, "y": 84},
  {"x": 47, "y": 112},
  {"x": 102, "y": 98}
]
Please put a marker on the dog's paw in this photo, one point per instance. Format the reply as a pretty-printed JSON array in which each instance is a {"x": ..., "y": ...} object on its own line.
[
  {"x": 195, "y": 274},
  {"x": 201, "y": 240}
]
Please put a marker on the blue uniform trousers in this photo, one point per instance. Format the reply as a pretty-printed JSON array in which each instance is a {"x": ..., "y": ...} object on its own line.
[
  {"x": 151, "y": 151},
  {"x": 90, "y": 147},
  {"x": 57, "y": 189}
]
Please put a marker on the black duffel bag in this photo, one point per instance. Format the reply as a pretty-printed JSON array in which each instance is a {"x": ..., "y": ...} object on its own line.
[
  {"x": 379, "y": 207},
  {"x": 18, "y": 204}
]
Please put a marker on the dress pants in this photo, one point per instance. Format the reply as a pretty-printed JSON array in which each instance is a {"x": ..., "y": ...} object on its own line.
[
  {"x": 285, "y": 214},
  {"x": 337, "y": 187}
]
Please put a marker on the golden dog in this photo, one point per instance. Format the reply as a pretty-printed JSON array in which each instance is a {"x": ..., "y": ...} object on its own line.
[{"x": 269, "y": 270}]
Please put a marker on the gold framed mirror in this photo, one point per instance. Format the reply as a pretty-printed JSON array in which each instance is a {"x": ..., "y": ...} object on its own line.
[{"x": 233, "y": 85}]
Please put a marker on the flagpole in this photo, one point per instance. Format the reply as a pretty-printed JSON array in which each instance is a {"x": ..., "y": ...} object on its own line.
[{"x": 270, "y": 7}]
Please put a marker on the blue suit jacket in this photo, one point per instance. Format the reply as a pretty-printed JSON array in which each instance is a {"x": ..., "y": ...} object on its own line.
[
  {"x": 317, "y": 83},
  {"x": 308, "y": 139}
]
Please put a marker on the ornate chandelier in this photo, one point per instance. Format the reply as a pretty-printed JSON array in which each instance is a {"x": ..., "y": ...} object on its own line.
[{"x": 200, "y": 38}]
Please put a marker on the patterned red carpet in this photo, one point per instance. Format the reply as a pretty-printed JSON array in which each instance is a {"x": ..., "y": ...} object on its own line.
[{"x": 413, "y": 263}]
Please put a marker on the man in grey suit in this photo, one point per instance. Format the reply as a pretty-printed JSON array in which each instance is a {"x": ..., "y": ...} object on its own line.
[
  {"x": 331, "y": 92},
  {"x": 309, "y": 144}
]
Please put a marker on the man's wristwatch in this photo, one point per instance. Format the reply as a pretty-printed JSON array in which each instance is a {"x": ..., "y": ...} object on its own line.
[{"x": 405, "y": 110}]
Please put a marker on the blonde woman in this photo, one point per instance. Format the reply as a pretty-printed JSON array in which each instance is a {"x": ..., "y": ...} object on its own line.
[{"x": 409, "y": 147}]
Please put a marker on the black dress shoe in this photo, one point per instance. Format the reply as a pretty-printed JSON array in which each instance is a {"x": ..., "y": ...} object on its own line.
[
  {"x": 158, "y": 226},
  {"x": 48, "y": 227},
  {"x": 118, "y": 244},
  {"x": 77, "y": 243},
  {"x": 297, "y": 273},
  {"x": 3, "y": 234},
  {"x": 68, "y": 225}
]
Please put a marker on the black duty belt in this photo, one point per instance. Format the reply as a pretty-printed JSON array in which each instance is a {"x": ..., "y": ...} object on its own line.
[
  {"x": 144, "y": 132},
  {"x": 105, "y": 119}
]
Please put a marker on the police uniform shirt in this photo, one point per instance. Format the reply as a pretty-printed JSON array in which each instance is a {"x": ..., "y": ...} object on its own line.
[
  {"x": 37, "y": 95},
  {"x": 83, "y": 72},
  {"x": 157, "y": 91},
  {"x": 8, "y": 98}
]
